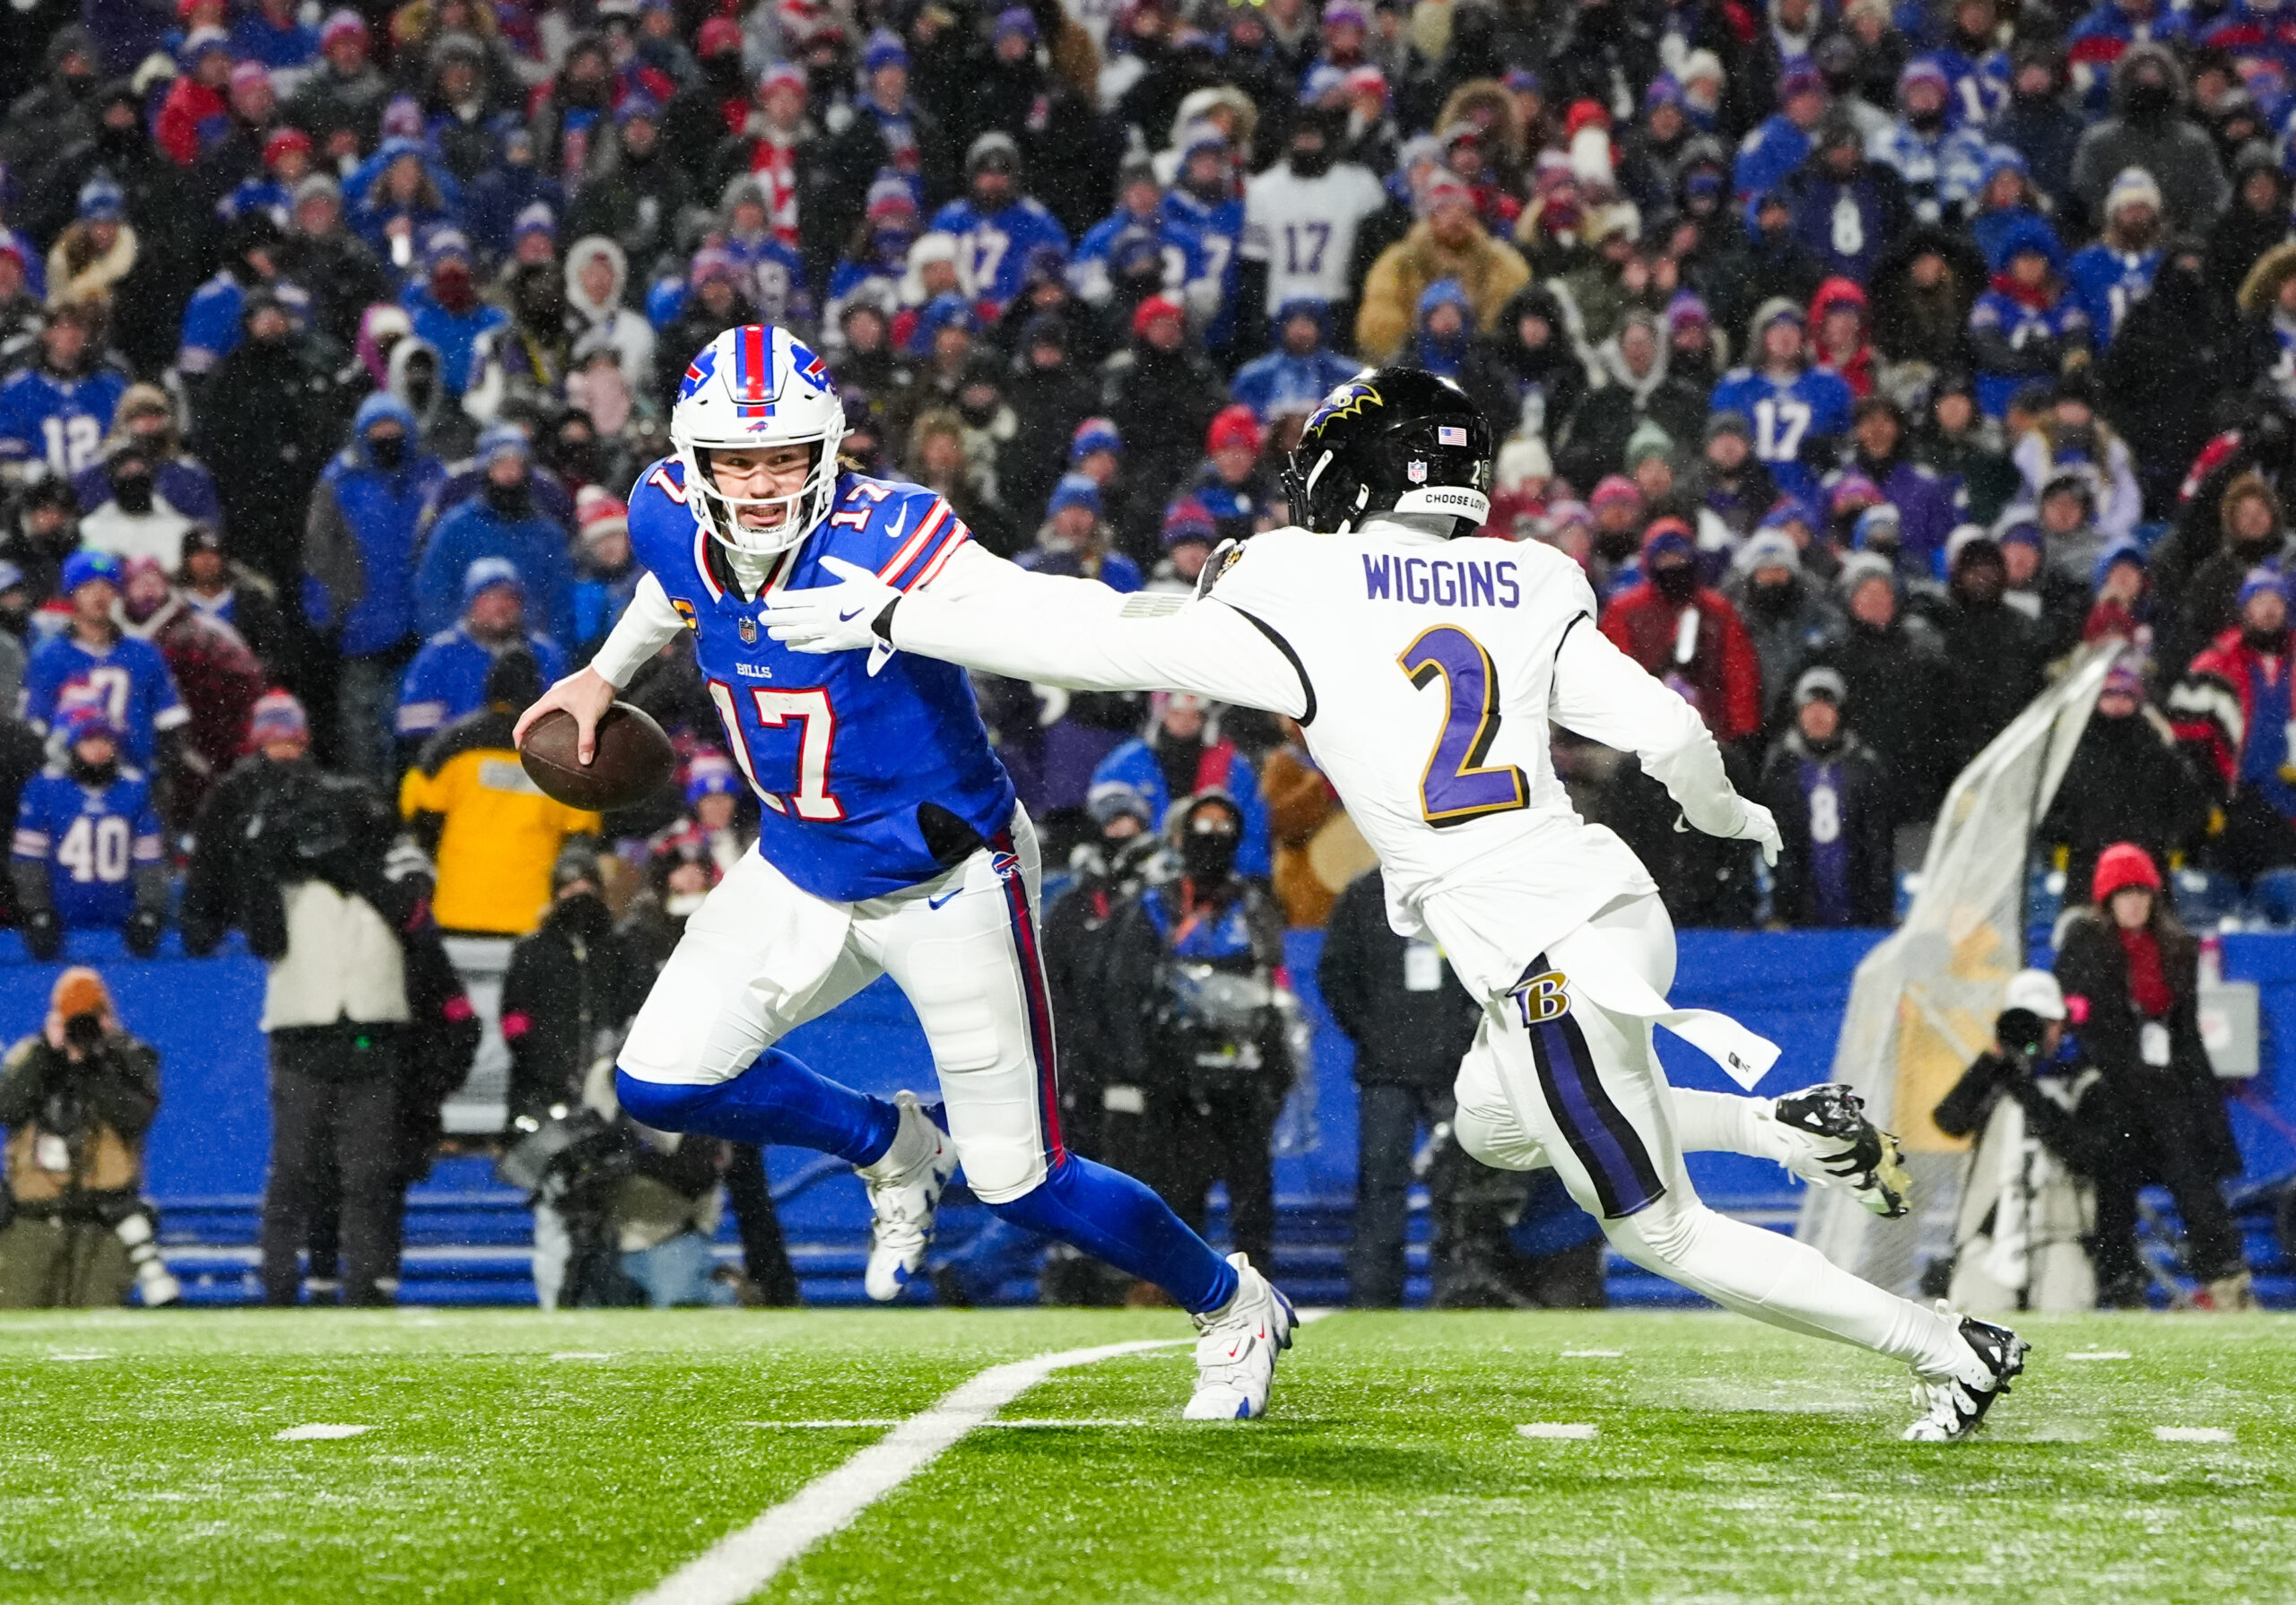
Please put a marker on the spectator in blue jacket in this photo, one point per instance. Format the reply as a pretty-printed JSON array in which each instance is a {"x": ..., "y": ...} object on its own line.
[
  {"x": 502, "y": 521},
  {"x": 270, "y": 33},
  {"x": 447, "y": 678},
  {"x": 1782, "y": 141},
  {"x": 446, "y": 310},
  {"x": 359, "y": 549},
  {"x": 1184, "y": 754},
  {"x": 1301, "y": 370}
]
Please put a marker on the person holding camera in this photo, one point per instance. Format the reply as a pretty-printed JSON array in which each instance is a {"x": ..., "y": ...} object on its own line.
[
  {"x": 1200, "y": 1016},
  {"x": 77, "y": 1097},
  {"x": 88, "y": 850},
  {"x": 2131, "y": 975},
  {"x": 2047, "y": 1125},
  {"x": 369, "y": 1028}
]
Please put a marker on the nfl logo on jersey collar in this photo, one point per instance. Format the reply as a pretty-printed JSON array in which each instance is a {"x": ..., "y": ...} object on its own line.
[{"x": 746, "y": 627}]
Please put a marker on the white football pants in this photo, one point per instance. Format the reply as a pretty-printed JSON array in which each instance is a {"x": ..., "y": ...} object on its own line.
[
  {"x": 1554, "y": 1079},
  {"x": 761, "y": 957}
]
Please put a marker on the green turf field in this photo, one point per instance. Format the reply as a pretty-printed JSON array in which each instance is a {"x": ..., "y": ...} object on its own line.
[{"x": 519, "y": 1456}]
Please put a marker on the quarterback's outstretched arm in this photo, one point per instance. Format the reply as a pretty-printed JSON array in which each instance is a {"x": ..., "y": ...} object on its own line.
[
  {"x": 646, "y": 626},
  {"x": 985, "y": 613},
  {"x": 1605, "y": 695}
]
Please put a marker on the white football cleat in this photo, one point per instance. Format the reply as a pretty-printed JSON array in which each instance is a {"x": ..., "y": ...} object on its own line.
[
  {"x": 1832, "y": 1143},
  {"x": 901, "y": 1204},
  {"x": 1235, "y": 1358},
  {"x": 1952, "y": 1409}
]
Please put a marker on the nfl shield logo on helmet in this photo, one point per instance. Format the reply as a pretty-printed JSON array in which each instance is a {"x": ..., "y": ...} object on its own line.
[{"x": 1415, "y": 471}]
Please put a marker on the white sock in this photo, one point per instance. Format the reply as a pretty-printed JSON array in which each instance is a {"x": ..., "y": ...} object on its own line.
[
  {"x": 1723, "y": 1122},
  {"x": 913, "y": 1144},
  {"x": 1778, "y": 1281}
]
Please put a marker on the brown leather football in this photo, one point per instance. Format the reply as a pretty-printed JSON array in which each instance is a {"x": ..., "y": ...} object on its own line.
[{"x": 632, "y": 759}]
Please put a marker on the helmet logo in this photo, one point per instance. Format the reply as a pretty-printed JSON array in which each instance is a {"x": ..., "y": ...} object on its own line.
[
  {"x": 1415, "y": 471},
  {"x": 1346, "y": 402},
  {"x": 697, "y": 373}
]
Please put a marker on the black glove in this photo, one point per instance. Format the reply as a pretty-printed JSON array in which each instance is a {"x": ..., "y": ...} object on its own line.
[
  {"x": 141, "y": 933},
  {"x": 43, "y": 935}
]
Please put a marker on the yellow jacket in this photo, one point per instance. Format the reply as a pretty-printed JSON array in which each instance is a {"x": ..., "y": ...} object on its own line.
[
  {"x": 1488, "y": 269},
  {"x": 494, "y": 833}
]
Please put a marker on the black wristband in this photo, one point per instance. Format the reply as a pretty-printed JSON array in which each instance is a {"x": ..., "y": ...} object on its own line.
[{"x": 881, "y": 626}]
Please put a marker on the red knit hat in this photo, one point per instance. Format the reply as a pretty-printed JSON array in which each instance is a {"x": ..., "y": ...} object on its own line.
[
  {"x": 1153, "y": 309},
  {"x": 1236, "y": 425},
  {"x": 1584, "y": 114},
  {"x": 2120, "y": 866}
]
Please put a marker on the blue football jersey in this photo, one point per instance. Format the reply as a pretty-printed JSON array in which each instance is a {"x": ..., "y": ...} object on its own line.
[
  {"x": 1812, "y": 405},
  {"x": 129, "y": 680},
  {"x": 870, "y": 784},
  {"x": 92, "y": 838},
  {"x": 993, "y": 247},
  {"x": 61, "y": 422}
]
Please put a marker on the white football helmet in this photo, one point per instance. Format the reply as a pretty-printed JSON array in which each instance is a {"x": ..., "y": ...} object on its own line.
[{"x": 753, "y": 389}]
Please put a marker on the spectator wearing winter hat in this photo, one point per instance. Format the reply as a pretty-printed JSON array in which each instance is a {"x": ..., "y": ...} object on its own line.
[
  {"x": 2043, "y": 590},
  {"x": 1230, "y": 482},
  {"x": 1895, "y": 669},
  {"x": 1783, "y": 140},
  {"x": 2121, "y": 605},
  {"x": 1187, "y": 537},
  {"x": 195, "y": 111},
  {"x": 92, "y": 654},
  {"x": 1940, "y": 156},
  {"x": 888, "y": 129},
  {"x": 339, "y": 102},
  {"x": 236, "y": 154},
  {"x": 1883, "y": 451},
  {"x": 449, "y": 677},
  {"x": 1615, "y": 507},
  {"x": 1161, "y": 393},
  {"x": 128, "y": 515},
  {"x": 92, "y": 260},
  {"x": 1995, "y": 653},
  {"x": 716, "y": 300},
  {"x": 2112, "y": 274},
  {"x": 1293, "y": 378},
  {"x": 1633, "y": 388},
  {"x": 2027, "y": 325},
  {"x": 268, "y": 417},
  {"x": 1184, "y": 753},
  {"x": 1838, "y": 334},
  {"x": 322, "y": 254},
  {"x": 1799, "y": 411},
  {"x": 62, "y": 884},
  {"x": 2255, "y": 536},
  {"x": 2128, "y": 782},
  {"x": 2231, "y": 713},
  {"x": 1447, "y": 242},
  {"x": 1786, "y": 614},
  {"x": 2131, "y": 976},
  {"x": 219, "y": 677},
  {"x": 1835, "y": 807},
  {"x": 501, "y": 522},
  {"x": 214, "y": 318},
  {"x": 1737, "y": 488},
  {"x": 445, "y": 308},
  {"x": 1713, "y": 663},
  {"x": 608, "y": 572},
  {"x": 1073, "y": 541},
  {"x": 2151, "y": 130},
  {"x": 634, "y": 191}
]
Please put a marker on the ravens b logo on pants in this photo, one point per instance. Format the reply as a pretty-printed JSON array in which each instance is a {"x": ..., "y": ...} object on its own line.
[{"x": 1541, "y": 997}]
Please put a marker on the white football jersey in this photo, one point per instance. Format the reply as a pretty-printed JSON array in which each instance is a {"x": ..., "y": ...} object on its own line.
[{"x": 1304, "y": 229}]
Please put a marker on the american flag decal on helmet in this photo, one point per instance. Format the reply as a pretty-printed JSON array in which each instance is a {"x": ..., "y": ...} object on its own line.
[{"x": 1449, "y": 434}]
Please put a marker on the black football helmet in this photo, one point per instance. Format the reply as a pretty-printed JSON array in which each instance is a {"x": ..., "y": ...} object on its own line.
[{"x": 1393, "y": 441}]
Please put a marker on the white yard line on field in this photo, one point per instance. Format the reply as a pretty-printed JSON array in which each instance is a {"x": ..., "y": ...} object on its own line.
[{"x": 743, "y": 1562}]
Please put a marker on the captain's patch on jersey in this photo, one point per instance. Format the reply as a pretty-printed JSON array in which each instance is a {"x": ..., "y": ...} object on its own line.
[
  {"x": 1541, "y": 997},
  {"x": 686, "y": 615}
]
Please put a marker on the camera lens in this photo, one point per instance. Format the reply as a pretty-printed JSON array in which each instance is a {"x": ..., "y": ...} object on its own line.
[{"x": 84, "y": 1030}]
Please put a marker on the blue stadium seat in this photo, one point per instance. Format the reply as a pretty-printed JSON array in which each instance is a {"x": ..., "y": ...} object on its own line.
[
  {"x": 2205, "y": 899},
  {"x": 2273, "y": 898}
]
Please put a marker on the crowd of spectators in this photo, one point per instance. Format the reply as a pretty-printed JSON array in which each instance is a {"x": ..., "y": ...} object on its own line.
[{"x": 1870, "y": 359}]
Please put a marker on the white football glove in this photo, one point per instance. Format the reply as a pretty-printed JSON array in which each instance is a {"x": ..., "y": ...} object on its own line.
[
  {"x": 838, "y": 618},
  {"x": 1754, "y": 824}
]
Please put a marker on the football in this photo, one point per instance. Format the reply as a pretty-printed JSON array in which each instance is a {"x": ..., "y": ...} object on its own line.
[{"x": 632, "y": 759}]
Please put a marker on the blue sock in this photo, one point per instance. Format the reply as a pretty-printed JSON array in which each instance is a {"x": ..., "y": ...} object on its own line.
[
  {"x": 776, "y": 1099},
  {"x": 1113, "y": 1216}
]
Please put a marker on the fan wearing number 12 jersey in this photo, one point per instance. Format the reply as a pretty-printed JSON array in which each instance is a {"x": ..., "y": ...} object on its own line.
[
  {"x": 1423, "y": 662},
  {"x": 890, "y": 844},
  {"x": 1796, "y": 410}
]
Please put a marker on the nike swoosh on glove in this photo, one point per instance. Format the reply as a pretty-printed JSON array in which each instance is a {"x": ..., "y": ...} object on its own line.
[{"x": 838, "y": 618}]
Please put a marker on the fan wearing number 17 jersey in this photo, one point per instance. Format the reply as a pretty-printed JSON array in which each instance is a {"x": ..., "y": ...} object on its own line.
[
  {"x": 890, "y": 844},
  {"x": 1797, "y": 411},
  {"x": 1423, "y": 663}
]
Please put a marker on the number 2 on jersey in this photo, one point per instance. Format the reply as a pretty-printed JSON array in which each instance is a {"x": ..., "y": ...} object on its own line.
[
  {"x": 1458, "y": 785},
  {"x": 816, "y": 733}
]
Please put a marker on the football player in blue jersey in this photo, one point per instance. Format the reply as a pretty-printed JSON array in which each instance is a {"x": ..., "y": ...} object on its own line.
[
  {"x": 87, "y": 850},
  {"x": 996, "y": 225},
  {"x": 1799, "y": 411},
  {"x": 92, "y": 660},
  {"x": 890, "y": 844}
]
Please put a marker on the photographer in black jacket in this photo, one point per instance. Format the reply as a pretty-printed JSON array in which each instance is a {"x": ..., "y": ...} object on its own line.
[
  {"x": 1198, "y": 1016},
  {"x": 1411, "y": 1021},
  {"x": 76, "y": 1099}
]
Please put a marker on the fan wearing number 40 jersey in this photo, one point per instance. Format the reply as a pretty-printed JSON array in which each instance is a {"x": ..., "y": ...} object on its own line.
[
  {"x": 891, "y": 845},
  {"x": 1423, "y": 662}
]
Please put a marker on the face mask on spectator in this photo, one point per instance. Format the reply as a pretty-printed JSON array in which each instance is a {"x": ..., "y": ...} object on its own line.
[
  {"x": 1772, "y": 601},
  {"x": 1677, "y": 582},
  {"x": 1208, "y": 855},
  {"x": 510, "y": 500},
  {"x": 133, "y": 492},
  {"x": 586, "y": 915},
  {"x": 387, "y": 452}
]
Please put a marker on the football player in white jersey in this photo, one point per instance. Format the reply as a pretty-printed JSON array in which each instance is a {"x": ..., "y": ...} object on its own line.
[{"x": 1423, "y": 662}]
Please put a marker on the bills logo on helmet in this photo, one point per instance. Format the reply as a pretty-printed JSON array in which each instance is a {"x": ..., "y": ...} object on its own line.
[
  {"x": 697, "y": 373},
  {"x": 1346, "y": 402},
  {"x": 810, "y": 368},
  {"x": 1541, "y": 997}
]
